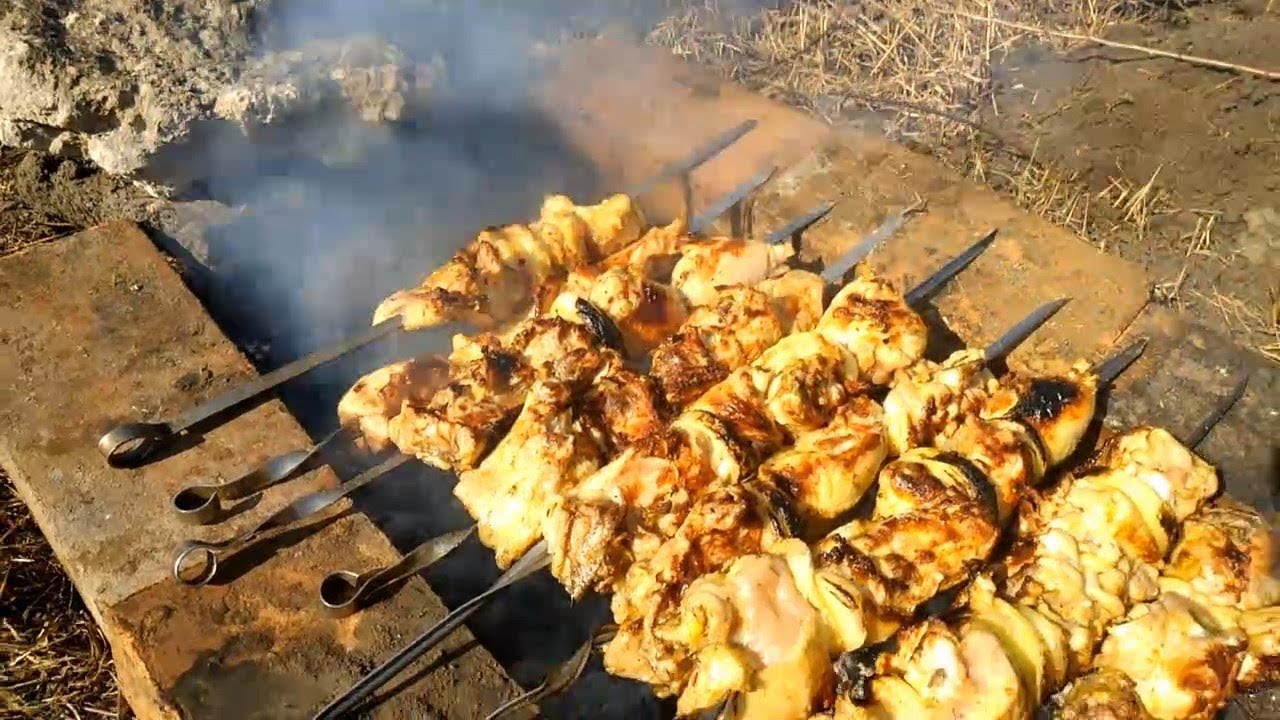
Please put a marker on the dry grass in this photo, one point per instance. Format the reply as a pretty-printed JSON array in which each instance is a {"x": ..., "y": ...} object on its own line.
[
  {"x": 21, "y": 225},
  {"x": 54, "y": 662},
  {"x": 930, "y": 62},
  {"x": 923, "y": 69}
]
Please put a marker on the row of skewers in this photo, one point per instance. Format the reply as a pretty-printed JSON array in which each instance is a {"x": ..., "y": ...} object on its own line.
[
  {"x": 712, "y": 526},
  {"x": 690, "y": 424}
]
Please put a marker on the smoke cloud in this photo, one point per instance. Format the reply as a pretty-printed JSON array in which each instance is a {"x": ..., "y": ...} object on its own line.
[{"x": 421, "y": 133}]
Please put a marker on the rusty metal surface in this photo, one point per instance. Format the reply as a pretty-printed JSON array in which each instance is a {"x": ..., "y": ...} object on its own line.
[
  {"x": 630, "y": 108},
  {"x": 98, "y": 329}
]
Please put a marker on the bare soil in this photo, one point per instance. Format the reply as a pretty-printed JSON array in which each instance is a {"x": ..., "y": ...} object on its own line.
[
  {"x": 1175, "y": 163},
  {"x": 1168, "y": 162}
]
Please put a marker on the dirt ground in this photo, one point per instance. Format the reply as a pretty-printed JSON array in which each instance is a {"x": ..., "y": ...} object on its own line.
[
  {"x": 1168, "y": 162},
  {"x": 1165, "y": 161}
]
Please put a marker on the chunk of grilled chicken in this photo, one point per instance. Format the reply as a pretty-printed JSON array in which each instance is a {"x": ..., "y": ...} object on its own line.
[
  {"x": 644, "y": 311},
  {"x": 735, "y": 328},
  {"x": 562, "y": 434},
  {"x": 705, "y": 267},
  {"x": 1083, "y": 555},
  {"x": 715, "y": 271},
  {"x": 604, "y": 297},
  {"x": 462, "y": 420},
  {"x": 929, "y": 399},
  {"x": 492, "y": 279},
  {"x": 375, "y": 398},
  {"x": 609, "y": 520},
  {"x": 938, "y": 511},
  {"x": 1181, "y": 654}
]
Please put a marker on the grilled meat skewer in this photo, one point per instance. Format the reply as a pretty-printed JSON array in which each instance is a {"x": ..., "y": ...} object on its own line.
[
  {"x": 490, "y": 378},
  {"x": 605, "y": 523},
  {"x": 1082, "y": 556},
  {"x": 377, "y": 397},
  {"x": 366, "y": 410},
  {"x": 731, "y": 523},
  {"x": 824, "y": 474},
  {"x": 493, "y": 279},
  {"x": 566, "y": 429},
  {"x": 132, "y": 444},
  {"x": 537, "y": 557},
  {"x": 1211, "y": 631},
  {"x": 937, "y": 512}
]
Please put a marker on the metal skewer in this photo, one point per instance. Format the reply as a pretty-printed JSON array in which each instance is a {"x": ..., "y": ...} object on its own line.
[
  {"x": 208, "y": 551},
  {"x": 344, "y": 592},
  {"x": 131, "y": 444},
  {"x": 205, "y": 503},
  {"x": 561, "y": 676},
  {"x": 1215, "y": 416},
  {"x": 538, "y": 557}
]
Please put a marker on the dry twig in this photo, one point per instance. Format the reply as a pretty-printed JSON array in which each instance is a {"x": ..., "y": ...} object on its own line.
[{"x": 1145, "y": 50}]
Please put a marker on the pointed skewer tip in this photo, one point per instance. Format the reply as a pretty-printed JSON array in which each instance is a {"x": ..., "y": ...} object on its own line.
[
  {"x": 1023, "y": 329},
  {"x": 952, "y": 268},
  {"x": 1220, "y": 411},
  {"x": 1111, "y": 368}
]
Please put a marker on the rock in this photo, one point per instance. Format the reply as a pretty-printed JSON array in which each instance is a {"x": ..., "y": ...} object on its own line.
[
  {"x": 1260, "y": 241},
  {"x": 174, "y": 93},
  {"x": 115, "y": 80}
]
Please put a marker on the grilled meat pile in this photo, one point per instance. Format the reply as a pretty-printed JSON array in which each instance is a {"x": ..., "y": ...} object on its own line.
[
  {"x": 938, "y": 511},
  {"x": 558, "y": 390},
  {"x": 1212, "y": 628},
  {"x": 690, "y": 425}
]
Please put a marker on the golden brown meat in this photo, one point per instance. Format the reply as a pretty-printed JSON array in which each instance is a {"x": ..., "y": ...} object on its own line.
[
  {"x": 492, "y": 280},
  {"x": 375, "y": 398},
  {"x": 828, "y": 470},
  {"x": 715, "y": 263},
  {"x": 654, "y": 251},
  {"x": 714, "y": 340},
  {"x": 462, "y": 421},
  {"x": 644, "y": 311},
  {"x": 1183, "y": 653},
  {"x": 937, "y": 513},
  {"x": 794, "y": 386},
  {"x": 733, "y": 330},
  {"x": 562, "y": 434},
  {"x": 1083, "y": 555},
  {"x": 929, "y": 399}
]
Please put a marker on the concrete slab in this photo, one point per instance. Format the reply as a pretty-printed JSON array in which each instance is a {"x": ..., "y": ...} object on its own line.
[{"x": 98, "y": 329}]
